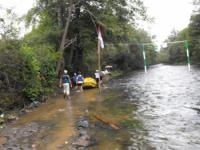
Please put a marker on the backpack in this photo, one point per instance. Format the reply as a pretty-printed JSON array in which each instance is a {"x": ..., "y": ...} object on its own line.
[
  {"x": 65, "y": 78},
  {"x": 80, "y": 78}
]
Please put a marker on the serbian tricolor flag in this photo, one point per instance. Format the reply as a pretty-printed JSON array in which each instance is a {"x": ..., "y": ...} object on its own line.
[{"x": 100, "y": 37}]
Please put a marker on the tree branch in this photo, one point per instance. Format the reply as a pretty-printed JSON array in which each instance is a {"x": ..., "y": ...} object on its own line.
[{"x": 68, "y": 43}]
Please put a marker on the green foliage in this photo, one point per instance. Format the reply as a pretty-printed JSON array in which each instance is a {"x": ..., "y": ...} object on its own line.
[
  {"x": 32, "y": 60},
  {"x": 175, "y": 53},
  {"x": 39, "y": 74},
  {"x": 26, "y": 74},
  {"x": 10, "y": 78},
  {"x": 194, "y": 35},
  {"x": 8, "y": 25},
  {"x": 115, "y": 17},
  {"x": 127, "y": 57},
  {"x": 30, "y": 78}
]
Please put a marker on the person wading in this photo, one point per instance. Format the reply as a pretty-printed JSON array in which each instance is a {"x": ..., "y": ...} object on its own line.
[
  {"x": 75, "y": 81},
  {"x": 66, "y": 83},
  {"x": 97, "y": 77},
  {"x": 80, "y": 81}
]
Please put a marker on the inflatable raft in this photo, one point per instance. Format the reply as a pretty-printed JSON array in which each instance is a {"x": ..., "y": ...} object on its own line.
[{"x": 89, "y": 83}]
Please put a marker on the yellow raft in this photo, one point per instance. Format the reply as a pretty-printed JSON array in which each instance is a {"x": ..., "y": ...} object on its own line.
[{"x": 89, "y": 83}]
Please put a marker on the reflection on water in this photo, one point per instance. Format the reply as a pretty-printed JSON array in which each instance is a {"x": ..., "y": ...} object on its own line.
[
  {"x": 168, "y": 101},
  {"x": 157, "y": 110}
]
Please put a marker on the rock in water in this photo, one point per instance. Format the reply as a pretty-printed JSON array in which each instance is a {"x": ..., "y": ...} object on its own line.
[
  {"x": 82, "y": 123},
  {"x": 83, "y": 139}
]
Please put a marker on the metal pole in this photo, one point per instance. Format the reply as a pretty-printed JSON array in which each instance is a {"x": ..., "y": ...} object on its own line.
[
  {"x": 188, "y": 54},
  {"x": 144, "y": 57}
]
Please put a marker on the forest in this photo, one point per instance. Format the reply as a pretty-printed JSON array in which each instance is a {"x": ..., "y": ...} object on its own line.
[{"x": 63, "y": 36}]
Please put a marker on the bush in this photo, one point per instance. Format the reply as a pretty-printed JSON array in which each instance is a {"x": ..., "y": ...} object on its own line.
[
  {"x": 32, "y": 87},
  {"x": 26, "y": 75}
]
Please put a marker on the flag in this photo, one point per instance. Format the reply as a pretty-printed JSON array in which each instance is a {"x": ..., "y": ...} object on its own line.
[{"x": 100, "y": 37}]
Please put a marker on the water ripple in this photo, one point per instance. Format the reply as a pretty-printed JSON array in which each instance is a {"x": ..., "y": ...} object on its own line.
[{"x": 166, "y": 98}]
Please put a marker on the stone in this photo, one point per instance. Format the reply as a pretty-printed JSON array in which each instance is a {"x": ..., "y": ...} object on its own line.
[{"x": 83, "y": 124}]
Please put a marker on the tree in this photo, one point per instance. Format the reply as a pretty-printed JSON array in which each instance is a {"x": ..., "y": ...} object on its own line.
[
  {"x": 8, "y": 25},
  {"x": 175, "y": 53},
  {"x": 115, "y": 17},
  {"x": 194, "y": 35}
]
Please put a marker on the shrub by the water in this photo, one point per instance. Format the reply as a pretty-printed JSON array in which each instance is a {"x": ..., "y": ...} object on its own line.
[{"x": 26, "y": 74}]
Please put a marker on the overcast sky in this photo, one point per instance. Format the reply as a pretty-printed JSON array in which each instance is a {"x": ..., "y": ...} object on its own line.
[
  {"x": 19, "y": 6},
  {"x": 168, "y": 14}
]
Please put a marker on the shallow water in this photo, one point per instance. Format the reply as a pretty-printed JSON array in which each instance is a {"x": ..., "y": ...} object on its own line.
[
  {"x": 57, "y": 121},
  {"x": 168, "y": 105},
  {"x": 158, "y": 110}
]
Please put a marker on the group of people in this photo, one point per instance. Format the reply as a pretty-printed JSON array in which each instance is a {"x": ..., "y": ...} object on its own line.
[
  {"x": 76, "y": 81},
  {"x": 66, "y": 82}
]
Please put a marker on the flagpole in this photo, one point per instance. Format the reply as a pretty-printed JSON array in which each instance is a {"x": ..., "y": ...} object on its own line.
[
  {"x": 99, "y": 64},
  {"x": 100, "y": 46}
]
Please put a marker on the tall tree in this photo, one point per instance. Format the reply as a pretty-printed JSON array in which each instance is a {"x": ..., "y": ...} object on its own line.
[
  {"x": 194, "y": 34},
  {"x": 115, "y": 17}
]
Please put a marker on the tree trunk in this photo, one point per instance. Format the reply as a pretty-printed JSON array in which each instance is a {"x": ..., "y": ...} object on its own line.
[
  {"x": 59, "y": 16},
  {"x": 71, "y": 54},
  {"x": 79, "y": 49},
  {"x": 62, "y": 45}
]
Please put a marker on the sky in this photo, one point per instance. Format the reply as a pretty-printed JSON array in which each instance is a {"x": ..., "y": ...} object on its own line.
[
  {"x": 20, "y": 7},
  {"x": 167, "y": 14}
]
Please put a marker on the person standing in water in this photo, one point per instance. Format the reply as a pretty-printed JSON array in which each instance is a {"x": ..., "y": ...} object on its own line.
[
  {"x": 66, "y": 83},
  {"x": 75, "y": 81},
  {"x": 80, "y": 80},
  {"x": 97, "y": 77}
]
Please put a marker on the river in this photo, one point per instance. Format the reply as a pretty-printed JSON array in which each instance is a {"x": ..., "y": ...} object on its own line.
[
  {"x": 159, "y": 110},
  {"x": 168, "y": 104}
]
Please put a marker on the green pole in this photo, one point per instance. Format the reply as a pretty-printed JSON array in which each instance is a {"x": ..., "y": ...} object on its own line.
[
  {"x": 144, "y": 57},
  {"x": 187, "y": 53}
]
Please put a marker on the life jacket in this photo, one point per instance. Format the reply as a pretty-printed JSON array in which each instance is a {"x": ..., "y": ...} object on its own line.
[{"x": 65, "y": 78}]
